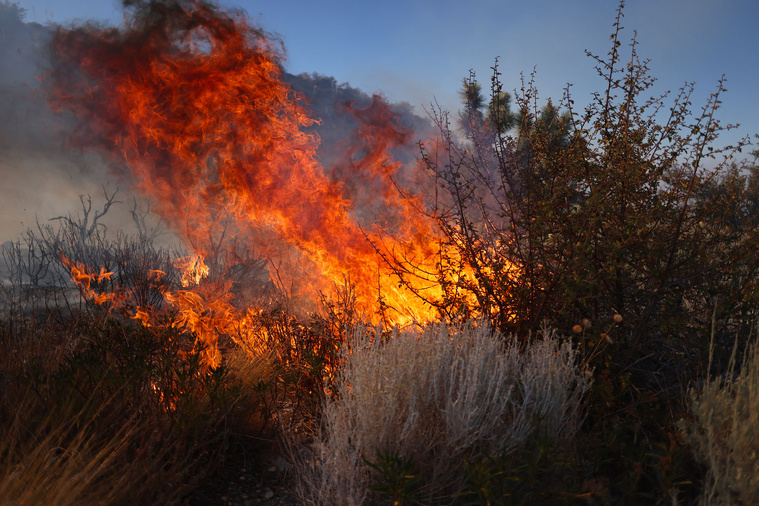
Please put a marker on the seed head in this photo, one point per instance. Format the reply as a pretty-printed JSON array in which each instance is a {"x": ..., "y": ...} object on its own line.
[
  {"x": 586, "y": 324},
  {"x": 617, "y": 318},
  {"x": 577, "y": 329}
]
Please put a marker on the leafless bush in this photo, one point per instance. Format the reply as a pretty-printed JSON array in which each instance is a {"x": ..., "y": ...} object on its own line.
[
  {"x": 135, "y": 261},
  {"x": 27, "y": 270},
  {"x": 36, "y": 279},
  {"x": 437, "y": 396}
]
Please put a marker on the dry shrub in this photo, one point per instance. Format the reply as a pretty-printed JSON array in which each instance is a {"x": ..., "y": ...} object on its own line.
[
  {"x": 110, "y": 412},
  {"x": 437, "y": 398},
  {"x": 725, "y": 435}
]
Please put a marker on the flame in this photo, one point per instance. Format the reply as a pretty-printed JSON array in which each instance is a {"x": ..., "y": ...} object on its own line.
[
  {"x": 193, "y": 268},
  {"x": 191, "y": 104},
  {"x": 207, "y": 314},
  {"x": 87, "y": 282}
]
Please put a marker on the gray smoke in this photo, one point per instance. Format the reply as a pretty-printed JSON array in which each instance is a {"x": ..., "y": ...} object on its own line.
[{"x": 42, "y": 176}]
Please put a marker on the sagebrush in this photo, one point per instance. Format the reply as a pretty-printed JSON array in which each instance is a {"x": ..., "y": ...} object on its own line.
[{"x": 437, "y": 397}]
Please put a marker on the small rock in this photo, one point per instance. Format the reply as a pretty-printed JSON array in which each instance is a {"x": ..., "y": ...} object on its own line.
[
  {"x": 283, "y": 465},
  {"x": 268, "y": 494}
]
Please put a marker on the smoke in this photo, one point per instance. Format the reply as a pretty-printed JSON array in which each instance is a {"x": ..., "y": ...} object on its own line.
[
  {"x": 21, "y": 46},
  {"x": 345, "y": 116},
  {"x": 45, "y": 170},
  {"x": 25, "y": 117},
  {"x": 41, "y": 176}
]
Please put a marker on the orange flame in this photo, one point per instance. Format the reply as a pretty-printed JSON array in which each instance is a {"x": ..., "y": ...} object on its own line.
[
  {"x": 193, "y": 101},
  {"x": 194, "y": 269},
  {"x": 86, "y": 282},
  {"x": 206, "y": 314}
]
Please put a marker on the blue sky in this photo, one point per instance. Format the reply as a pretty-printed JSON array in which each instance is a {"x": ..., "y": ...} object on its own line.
[{"x": 419, "y": 50}]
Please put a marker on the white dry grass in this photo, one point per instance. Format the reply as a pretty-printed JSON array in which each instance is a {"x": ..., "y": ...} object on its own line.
[
  {"x": 440, "y": 395},
  {"x": 725, "y": 435}
]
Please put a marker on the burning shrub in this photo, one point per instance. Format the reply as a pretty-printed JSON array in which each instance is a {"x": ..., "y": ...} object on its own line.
[
  {"x": 427, "y": 400},
  {"x": 623, "y": 208},
  {"x": 216, "y": 138},
  {"x": 303, "y": 358},
  {"x": 138, "y": 400}
]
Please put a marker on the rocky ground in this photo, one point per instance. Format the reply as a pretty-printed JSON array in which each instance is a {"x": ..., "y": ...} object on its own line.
[{"x": 266, "y": 480}]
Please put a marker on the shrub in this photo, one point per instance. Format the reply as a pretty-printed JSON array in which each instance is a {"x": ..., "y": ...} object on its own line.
[
  {"x": 101, "y": 411},
  {"x": 625, "y": 207},
  {"x": 427, "y": 400},
  {"x": 724, "y": 434}
]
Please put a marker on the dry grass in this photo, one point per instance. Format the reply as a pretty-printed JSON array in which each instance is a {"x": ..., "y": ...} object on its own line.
[
  {"x": 725, "y": 435},
  {"x": 46, "y": 465},
  {"x": 68, "y": 459},
  {"x": 439, "y": 397},
  {"x": 76, "y": 429}
]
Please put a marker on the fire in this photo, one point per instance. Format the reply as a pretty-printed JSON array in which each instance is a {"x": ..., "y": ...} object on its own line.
[
  {"x": 86, "y": 282},
  {"x": 194, "y": 269},
  {"x": 206, "y": 314},
  {"x": 190, "y": 103}
]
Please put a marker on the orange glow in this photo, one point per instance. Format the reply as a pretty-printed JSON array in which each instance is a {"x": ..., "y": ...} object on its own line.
[
  {"x": 194, "y": 269},
  {"x": 192, "y": 104},
  {"x": 206, "y": 313}
]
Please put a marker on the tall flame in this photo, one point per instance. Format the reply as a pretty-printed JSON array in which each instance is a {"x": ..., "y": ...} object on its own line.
[{"x": 192, "y": 102}]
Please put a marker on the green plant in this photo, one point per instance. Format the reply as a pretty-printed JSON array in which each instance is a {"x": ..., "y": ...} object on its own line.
[
  {"x": 669, "y": 463},
  {"x": 394, "y": 477},
  {"x": 538, "y": 472}
]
